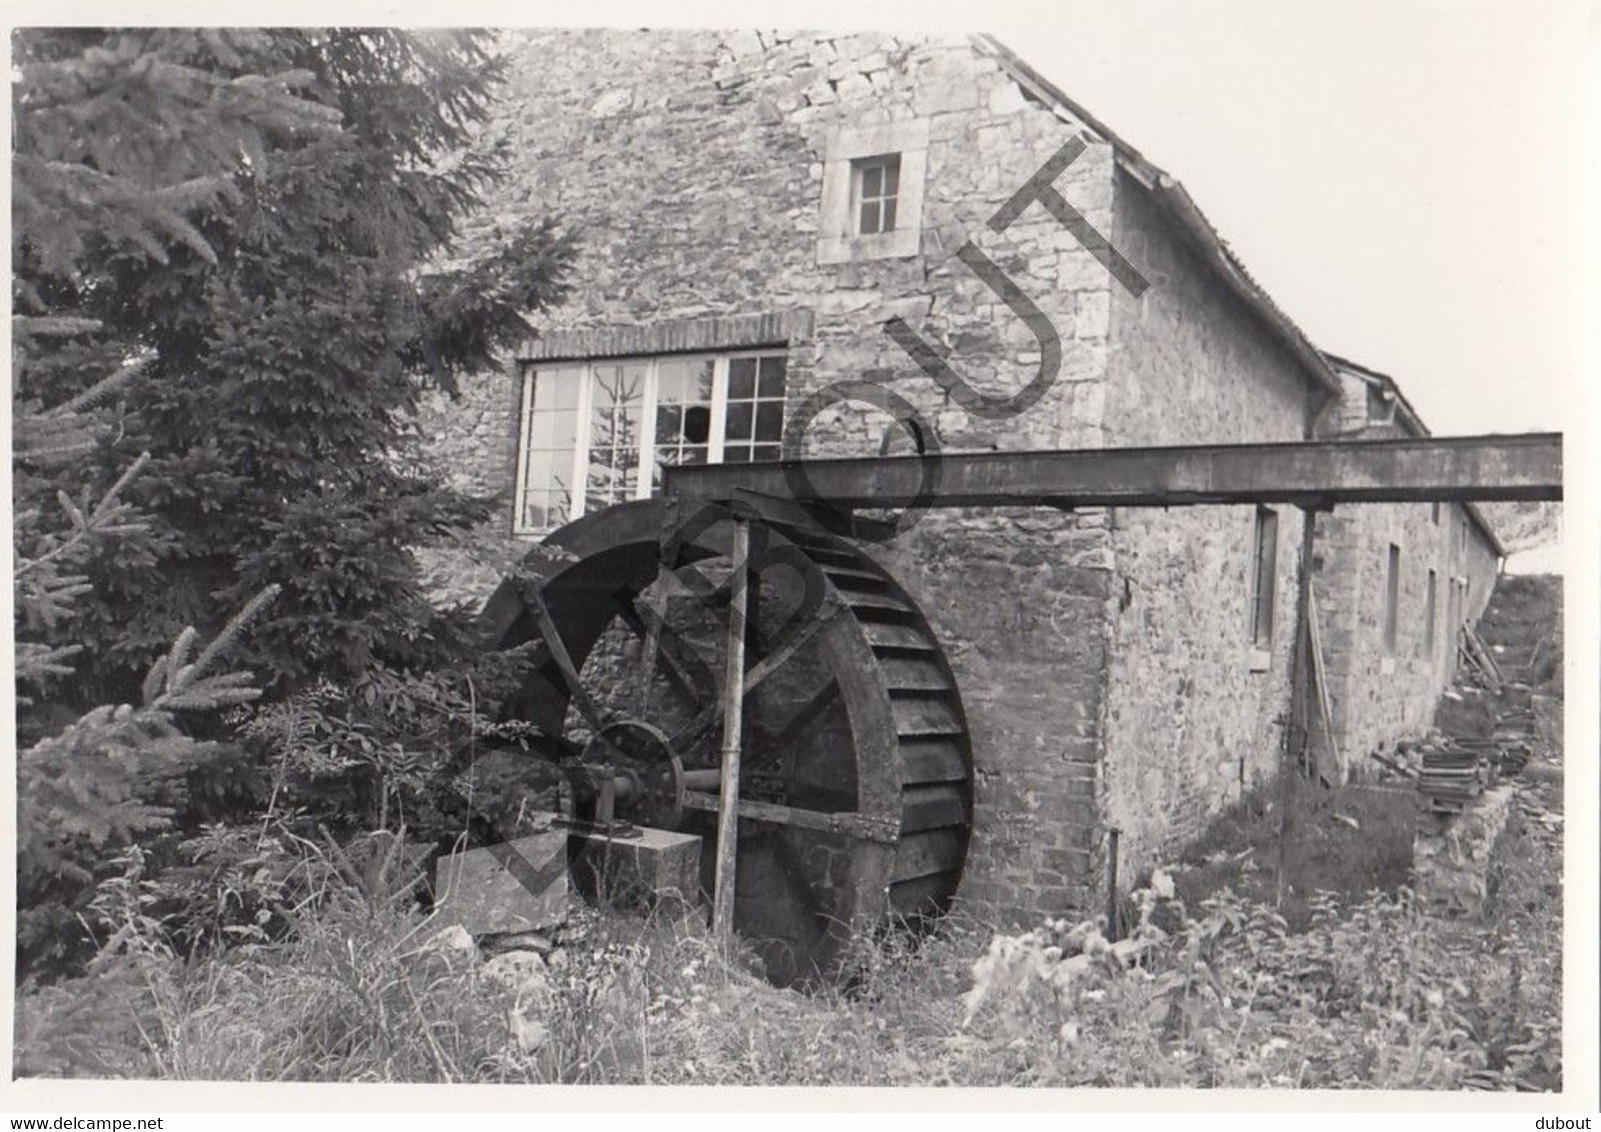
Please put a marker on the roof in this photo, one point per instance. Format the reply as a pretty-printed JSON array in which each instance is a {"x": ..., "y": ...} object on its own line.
[
  {"x": 1176, "y": 200},
  {"x": 1407, "y": 416}
]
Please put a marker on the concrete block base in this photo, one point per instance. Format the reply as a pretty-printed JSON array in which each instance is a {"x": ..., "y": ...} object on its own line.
[
  {"x": 652, "y": 868},
  {"x": 515, "y": 886}
]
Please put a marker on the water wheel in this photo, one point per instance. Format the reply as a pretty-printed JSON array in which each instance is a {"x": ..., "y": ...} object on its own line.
[{"x": 856, "y": 786}]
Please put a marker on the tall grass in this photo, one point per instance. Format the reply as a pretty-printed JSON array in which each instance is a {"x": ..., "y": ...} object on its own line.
[{"x": 1364, "y": 992}]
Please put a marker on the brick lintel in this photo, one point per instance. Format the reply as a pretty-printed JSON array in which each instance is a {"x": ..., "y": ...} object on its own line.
[{"x": 670, "y": 336}]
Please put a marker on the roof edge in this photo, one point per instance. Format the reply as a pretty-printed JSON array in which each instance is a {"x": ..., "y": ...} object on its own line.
[{"x": 1171, "y": 193}]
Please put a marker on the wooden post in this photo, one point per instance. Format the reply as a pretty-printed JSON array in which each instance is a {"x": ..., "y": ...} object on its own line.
[
  {"x": 1300, "y": 731},
  {"x": 1113, "y": 928},
  {"x": 733, "y": 719}
]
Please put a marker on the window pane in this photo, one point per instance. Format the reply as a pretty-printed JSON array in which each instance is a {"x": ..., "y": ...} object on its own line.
[
  {"x": 549, "y": 438},
  {"x": 736, "y": 454},
  {"x": 892, "y": 175},
  {"x": 1266, "y": 578},
  {"x": 557, "y": 387},
  {"x": 1392, "y": 597},
  {"x": 553, "y": 430},
  {"x": 742, "y": 379},
  {"x": 683, "y": 381},
  {"x": 739, "y": 421},
  {"x": 618, "y": 384},
  {"x": 867, "y": 223},
  {"x": 669, "y": 424},
  {"x": 541, "y": 465},
  {"x": 697, "y": 424},
  {"x": 540, "y": 511},
  {"x": 612, "y": 477},
  {"x": 872, "y": 180},
  {"x": 769, "y": 420},
  {"x": 766, "y": 453},
  {"x": 772, "y": 376},
  {"x": 888, "y": 207}
]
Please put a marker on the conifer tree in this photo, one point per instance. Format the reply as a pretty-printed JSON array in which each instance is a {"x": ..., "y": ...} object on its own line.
[
  {"x": 226, "y": 271},
  {"x": 291, "y": 336}
]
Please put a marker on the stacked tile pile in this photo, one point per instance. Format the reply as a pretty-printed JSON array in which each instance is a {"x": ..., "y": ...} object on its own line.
[{"x": 1453, "y": 774}]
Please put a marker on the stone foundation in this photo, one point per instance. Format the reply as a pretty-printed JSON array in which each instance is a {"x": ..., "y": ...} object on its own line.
[{"x": 1451, "y": 852}]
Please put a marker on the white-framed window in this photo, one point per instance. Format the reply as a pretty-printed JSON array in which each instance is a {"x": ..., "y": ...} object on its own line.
[
  {"x": 600, "y": 432},
  {"x": 875, "y": 190},
  {"x": 872, "y": 205}
]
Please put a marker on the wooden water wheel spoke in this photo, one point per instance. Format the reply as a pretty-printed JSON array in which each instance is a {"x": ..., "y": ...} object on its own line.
[
  {"x": 648, "y": 626},
  {"x": 649, "y": 650},
  {"x": 790, "y": 645},
  {"x": 768, "y": 747},
  {"x": 852, "y": 824},
  {"x": 557, "y": 648},
  {"x": 709, "y": 716}
]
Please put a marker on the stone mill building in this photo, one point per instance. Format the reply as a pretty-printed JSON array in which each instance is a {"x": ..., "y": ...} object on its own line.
[{"x": 752, "y": 209}]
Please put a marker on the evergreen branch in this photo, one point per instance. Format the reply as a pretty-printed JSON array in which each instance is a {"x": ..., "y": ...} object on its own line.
[
  {"x": 99, "y": 389},
  {"x": 235, "y": 626},
  {"x": 177, "y": 658},
  {"x": 83, "y": 527},
  {"x": 127, "y": 477},
  {"x": 34, "y": 455},
  {"x": 52, "y": 326},
  {"x": 155, "y": 679}
]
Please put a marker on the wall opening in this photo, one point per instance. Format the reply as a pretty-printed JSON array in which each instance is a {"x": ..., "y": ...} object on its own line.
[
  {"x": 1392, "y": 599},
  {"x": 1264, "y": 581},
  {"x": 1430, "y": 598}
]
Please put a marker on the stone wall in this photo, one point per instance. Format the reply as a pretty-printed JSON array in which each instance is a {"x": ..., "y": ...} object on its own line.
[
  {"x": 1189, "y": 723},
  {"x": 471, "y": 439},
  {"x": 692, "y": 167},
  {"x": 1451, "y": 853},
  {"x": 1380, "y": 696}
]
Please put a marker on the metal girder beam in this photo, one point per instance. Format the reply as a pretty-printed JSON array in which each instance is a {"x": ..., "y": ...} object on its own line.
[{"x": 1318, "y": 473}]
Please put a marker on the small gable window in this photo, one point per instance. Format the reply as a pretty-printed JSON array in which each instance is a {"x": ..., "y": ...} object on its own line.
[
  {"x": 872, "y": 198},
  {"x": 875, "y": 183}
]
